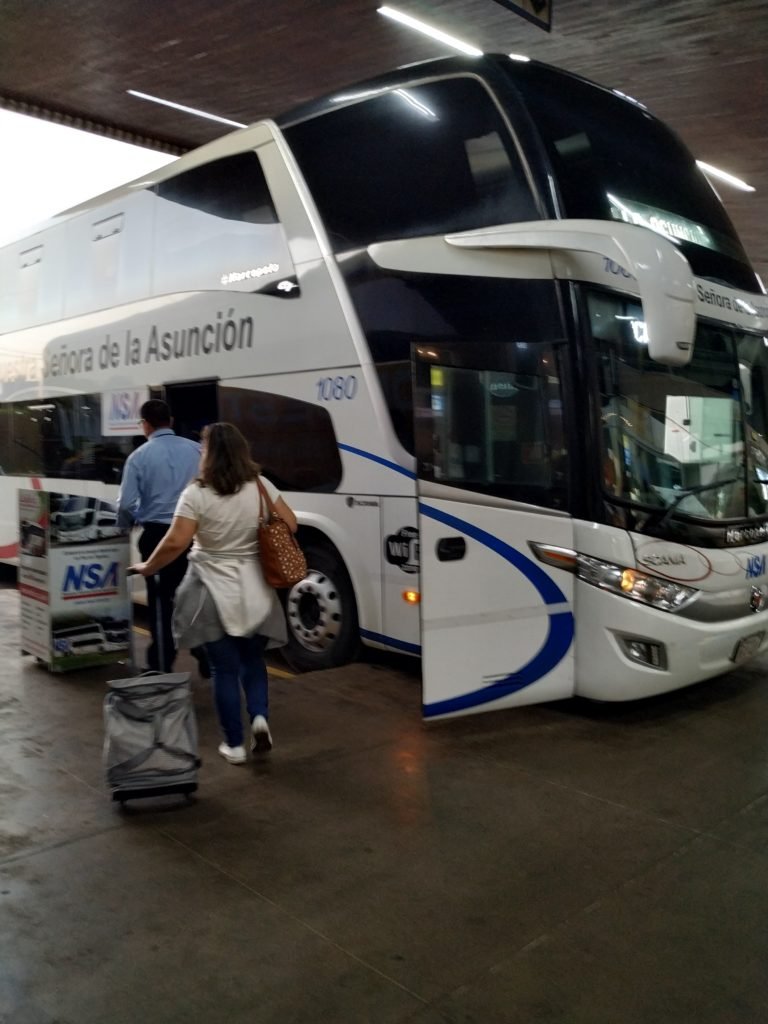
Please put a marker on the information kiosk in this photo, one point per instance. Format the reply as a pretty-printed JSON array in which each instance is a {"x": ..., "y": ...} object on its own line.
[{"x": 75, "y": 605}]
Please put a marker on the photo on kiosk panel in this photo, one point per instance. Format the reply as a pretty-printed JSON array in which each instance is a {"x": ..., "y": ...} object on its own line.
[
  {"x": 79, "y": 520},
  {"x": 79, "y": 635},
  {"x": 33, "y": 539}
]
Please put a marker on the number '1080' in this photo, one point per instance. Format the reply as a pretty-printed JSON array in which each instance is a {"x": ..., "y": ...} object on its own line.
[{"x": 330, "y": 389}]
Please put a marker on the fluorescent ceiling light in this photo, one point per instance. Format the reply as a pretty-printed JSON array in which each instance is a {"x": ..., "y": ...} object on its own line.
[
  {"x": 630, "y": 99},
  {"x": 422, "y": 108},
  {"x": 349, "y": 96},
  {"x": 186, "y": 110},
  {"x": 434, "y": 33},
  {"x": 416, "y": 104},
  {"x": 724, "y": 176}
]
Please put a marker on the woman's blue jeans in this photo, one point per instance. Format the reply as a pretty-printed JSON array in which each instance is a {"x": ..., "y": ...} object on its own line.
[{"x": 238, "y": 661}]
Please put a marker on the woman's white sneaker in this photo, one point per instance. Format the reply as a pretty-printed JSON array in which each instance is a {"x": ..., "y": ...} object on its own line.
[
  {"x": 235, "y": 755},
  {"x": 262, "y": 737}
]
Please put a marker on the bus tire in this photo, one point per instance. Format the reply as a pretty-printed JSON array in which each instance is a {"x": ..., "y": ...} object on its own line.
[{"x": 321, "y": 613}]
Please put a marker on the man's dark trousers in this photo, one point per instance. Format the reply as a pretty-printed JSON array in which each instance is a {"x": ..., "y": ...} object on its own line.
[{"x": 160, "y": 591}]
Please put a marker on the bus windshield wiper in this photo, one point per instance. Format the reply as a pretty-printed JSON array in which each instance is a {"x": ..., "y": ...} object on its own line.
[{"x": 670, "y": 510}]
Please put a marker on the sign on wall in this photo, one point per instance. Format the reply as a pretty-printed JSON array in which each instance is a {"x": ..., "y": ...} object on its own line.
[{"x": 537, "y": 11}]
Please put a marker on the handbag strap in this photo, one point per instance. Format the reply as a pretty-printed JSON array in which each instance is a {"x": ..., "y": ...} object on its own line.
[{"x": 264, "y": 496}]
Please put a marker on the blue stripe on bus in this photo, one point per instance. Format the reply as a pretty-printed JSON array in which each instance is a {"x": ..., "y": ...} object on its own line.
[
  {"x": 561, "y": 625},
  {"x": 559, "y": 636},
  {"x": 400, "y": 645},
  {"x": 377, "y": 458},
  {"x": 547, "y": 588},
  {"x": 555, "y": 648}
]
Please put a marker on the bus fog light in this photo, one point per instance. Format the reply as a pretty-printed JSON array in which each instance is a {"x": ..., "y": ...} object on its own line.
[{"x": 645, "y": 652}]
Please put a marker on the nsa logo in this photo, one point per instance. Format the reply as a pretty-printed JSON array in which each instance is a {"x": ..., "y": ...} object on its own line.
[{"x": 90, "y": 579}]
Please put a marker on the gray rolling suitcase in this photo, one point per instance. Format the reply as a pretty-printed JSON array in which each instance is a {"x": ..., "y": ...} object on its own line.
[{"x": 150, "y": 742}]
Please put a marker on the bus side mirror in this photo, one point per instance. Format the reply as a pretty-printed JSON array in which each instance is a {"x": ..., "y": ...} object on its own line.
[{"x": 612, "y": 253}]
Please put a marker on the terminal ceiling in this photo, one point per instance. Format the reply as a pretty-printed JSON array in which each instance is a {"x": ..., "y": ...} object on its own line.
[{"x": 701, "y": 65}]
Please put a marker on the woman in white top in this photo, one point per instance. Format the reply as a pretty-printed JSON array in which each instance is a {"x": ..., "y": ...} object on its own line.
[{"x": 224, "y": 601}]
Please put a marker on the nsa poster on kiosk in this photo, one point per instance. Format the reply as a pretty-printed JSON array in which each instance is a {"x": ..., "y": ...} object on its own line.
[{"x": 75, "y": 604}]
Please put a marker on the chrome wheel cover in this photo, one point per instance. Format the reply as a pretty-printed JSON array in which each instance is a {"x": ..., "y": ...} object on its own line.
[{"x": 314, "y": 611}]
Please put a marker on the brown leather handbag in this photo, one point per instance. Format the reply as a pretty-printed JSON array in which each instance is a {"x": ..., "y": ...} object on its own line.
[{"x": 282, "y": 560}]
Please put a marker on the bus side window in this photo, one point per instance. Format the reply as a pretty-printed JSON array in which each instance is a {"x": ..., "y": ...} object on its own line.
[
  {"x": 31, "y": 289},
  {"x": 496, "y": 431},
  {"x": 25, "y": 456},
  {"x": 233, "y": 188},
  {"x": 61, "y": 437},
  {"x": 5, "y": 438},
  {"x": 293, "y": 441},
  {"x": 217, "y": 226}
]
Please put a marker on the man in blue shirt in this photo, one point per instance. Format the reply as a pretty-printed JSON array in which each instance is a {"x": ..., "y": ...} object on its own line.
[{"x": 153, "y": 478}]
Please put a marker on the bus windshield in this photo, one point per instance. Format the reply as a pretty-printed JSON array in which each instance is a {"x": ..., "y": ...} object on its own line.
[
  {"x": 681, "y": 441},
  {"x": 613, "y": 160}
]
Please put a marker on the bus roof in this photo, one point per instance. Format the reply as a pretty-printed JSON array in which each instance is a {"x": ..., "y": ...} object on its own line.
[
  {"x": 237, "y": 141},
  {"x": 488, "y": 65}
]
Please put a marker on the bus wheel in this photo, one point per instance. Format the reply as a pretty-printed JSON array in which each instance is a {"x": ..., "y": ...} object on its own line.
[{"x": 321, "y": 613}]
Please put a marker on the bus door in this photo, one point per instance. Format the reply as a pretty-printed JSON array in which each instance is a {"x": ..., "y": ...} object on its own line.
[
  {"x": 193, "y": 404},
  {"x": 497, "y": 622}
]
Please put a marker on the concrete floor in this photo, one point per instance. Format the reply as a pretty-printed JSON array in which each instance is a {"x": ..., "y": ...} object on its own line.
[{"x": 569, "y": 863}]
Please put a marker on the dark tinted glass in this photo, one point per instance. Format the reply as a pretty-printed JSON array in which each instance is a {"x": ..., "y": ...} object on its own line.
[
  {"x": 420, "y": 160},
  {"x": 61, "y": 437},
  {"x": 5, "y": 439},
  {"x": 753, "y": 375},
  {"x": 614, "y": 161},
  {"x": 673, "y": 437},
  {"x": 233, "y": 188},
  {"x": 398, "y": 310},
  {"x": 293, "y": 441},
  {"x": 490, "y": 419}
]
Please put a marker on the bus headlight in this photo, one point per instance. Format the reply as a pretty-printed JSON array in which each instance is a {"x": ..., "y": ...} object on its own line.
[{"x": 638, "y": 586}]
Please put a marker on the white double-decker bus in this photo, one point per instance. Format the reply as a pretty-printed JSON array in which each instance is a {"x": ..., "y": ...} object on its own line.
[{"x": 487, "y": 326}]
